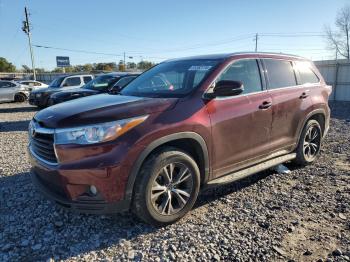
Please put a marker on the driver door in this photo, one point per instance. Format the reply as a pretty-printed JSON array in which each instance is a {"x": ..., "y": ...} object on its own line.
[{"x": 240, "y": 124}]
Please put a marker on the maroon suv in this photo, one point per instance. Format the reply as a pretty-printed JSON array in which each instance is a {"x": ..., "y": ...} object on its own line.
[{"x": 181, "y": 126}]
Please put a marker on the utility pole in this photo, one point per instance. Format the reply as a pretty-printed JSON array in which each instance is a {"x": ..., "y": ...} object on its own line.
[
  {"x": 26, "y": 29},
  {"x": 347, "y": 43},
  {"x": 256, "y": 42},
  {"x": 124, "y": 63}
]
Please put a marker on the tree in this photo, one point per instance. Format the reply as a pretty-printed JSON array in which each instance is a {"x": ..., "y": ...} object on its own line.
[
  {"x": 121, "y": 66},
  {"x": 87, "y": 67},
  {"x": 131, "y": 65},
  {"x": 6, "y": 66},
  {"x": 144, "y": 65},
  {"x": 338, "y": 39},
  {"x": 26, "y": 69}
]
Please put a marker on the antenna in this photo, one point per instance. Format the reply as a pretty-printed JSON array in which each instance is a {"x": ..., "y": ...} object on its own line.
[{"x": 256, "y": 42}]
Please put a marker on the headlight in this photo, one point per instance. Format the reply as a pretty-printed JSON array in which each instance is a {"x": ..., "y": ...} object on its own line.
[
  {"x": 38, "y": 95},
  {"x": 96, "y": 133}
]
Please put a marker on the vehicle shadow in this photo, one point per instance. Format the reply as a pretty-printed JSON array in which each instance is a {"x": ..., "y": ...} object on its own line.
[
  {"x": 18, "y": 109},
  {"x": 213, "y": 193},
  {"x": 37, "y": 228},
  {"x": 14, "y": 126}
]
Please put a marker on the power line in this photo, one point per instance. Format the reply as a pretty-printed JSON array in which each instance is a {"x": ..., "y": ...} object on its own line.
[
  {"x": 201, "y": 45},
  {"x": 86, "y": 51}
]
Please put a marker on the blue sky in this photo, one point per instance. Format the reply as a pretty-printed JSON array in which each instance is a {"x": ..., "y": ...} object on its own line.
[{"x": 156, "y": 30}]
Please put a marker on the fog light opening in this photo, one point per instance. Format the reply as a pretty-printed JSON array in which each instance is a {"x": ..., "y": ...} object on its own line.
[{"x": 93, "y": 190}]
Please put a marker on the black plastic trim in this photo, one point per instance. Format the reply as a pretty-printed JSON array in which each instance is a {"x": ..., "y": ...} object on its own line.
[
  {"x": 157, "y": 143},
  {"x": 87, "y": 206}
]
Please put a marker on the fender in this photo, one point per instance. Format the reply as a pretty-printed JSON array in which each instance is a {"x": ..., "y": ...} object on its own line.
[
  {"x": 308, "y": 116},
  {"x": 138, "y": 163}
]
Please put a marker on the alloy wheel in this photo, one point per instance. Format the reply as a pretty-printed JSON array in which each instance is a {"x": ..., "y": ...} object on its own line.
[
  {"x": 312, "y": 143},
  {"x": 172, "y": 188}
]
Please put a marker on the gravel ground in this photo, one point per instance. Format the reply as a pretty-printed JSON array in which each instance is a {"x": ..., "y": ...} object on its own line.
[{"x": 301, "y": 216}]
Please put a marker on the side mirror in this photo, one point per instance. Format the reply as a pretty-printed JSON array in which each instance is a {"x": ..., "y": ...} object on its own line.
[
  {"x": 226, "y": 88},
  {"x": 114, "y": 89}
]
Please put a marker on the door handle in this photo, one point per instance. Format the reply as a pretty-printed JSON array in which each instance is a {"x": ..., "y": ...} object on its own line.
[
  {"x": 304, "y": 95},
  {"x": 265, "y": 105}
]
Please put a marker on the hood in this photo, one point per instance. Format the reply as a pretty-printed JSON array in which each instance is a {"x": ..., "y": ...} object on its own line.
[
  {"x": 99, "y": 109},
  {"x": 41, "y": 90},
  {"x": 79, "y": 90}
]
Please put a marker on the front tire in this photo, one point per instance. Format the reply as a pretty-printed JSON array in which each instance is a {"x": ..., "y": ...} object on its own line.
[
  {"x": 309, "y": 143},
  {"x": 19, "y": 98},
  {"x": 167, "y": 187}
]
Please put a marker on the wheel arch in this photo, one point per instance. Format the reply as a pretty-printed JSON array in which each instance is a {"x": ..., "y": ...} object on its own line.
[
  {"x": 184, "y": 141},
  {"x": 318, "y": 115},
  {"x": 21, "y": 93}
]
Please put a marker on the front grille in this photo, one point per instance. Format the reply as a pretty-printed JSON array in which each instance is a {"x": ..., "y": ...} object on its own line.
[{"x": 43, "y": 146}]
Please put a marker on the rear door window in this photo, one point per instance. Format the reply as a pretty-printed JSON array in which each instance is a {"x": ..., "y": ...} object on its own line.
[
  {"x": 247, "y": 71},
  {"x": 306, "y": 75},
  {"x": 87, "y": 79},
  {"x": 72, "y": 81},
  {"x": 7, "y": 84},
  {"x": 280, "y": 73}
]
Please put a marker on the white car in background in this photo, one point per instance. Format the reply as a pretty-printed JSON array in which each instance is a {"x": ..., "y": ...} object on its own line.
[
  {"x": 12, "y": 91},
  {"x": 32, "y": 84}
]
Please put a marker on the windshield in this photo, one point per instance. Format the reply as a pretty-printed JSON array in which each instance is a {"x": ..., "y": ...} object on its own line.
[
  {"x": 101, "y": 83},
  {"x": 171, "y": 79},
  {"x": 57, "y": 82}
]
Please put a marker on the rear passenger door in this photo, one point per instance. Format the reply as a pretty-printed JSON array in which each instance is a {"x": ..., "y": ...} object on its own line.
[
  {"x": 290, "y": 103},
  {"x": 240, "y": 124}
]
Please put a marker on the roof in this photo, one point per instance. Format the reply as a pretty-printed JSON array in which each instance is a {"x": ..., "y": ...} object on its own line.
[
  {"x": 120, "y": 73},
  {"x": 228, "y": 55}
]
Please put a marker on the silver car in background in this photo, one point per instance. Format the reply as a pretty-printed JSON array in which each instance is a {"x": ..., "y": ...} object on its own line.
[
  {"x": 32, "y": 84},
  {"x": 12, "y": 91}
]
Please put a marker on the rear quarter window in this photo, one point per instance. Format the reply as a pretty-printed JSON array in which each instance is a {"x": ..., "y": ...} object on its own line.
[
  {"x": 306, "y": 74},
  {"x": 87, "y": 79},
  {"x": 280, "y": 73}
]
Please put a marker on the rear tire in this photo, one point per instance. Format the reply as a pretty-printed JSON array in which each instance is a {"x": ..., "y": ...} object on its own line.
[
  {"x": 309, "y": 143},
  {"x": 19, "y": 98},
  {"x": 167, "y": 187}
]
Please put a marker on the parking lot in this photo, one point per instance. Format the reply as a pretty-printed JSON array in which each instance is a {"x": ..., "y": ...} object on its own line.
[{"x": 301, "y": 216}]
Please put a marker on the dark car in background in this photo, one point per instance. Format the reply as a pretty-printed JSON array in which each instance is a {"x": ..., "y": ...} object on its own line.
[
  {"x": 40, "y": 97},
  {"x": 111, "y": 82}
]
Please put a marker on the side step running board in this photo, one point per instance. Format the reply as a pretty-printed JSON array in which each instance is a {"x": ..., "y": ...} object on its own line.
[{"x": 251, "y": 170}]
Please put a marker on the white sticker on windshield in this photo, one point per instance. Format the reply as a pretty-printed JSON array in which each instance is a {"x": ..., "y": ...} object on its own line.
[{"x": 199, "y": 68}]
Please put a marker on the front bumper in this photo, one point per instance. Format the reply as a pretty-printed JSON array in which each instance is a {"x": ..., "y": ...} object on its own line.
[
  {"x": 84, "y": 204},
  {"x": 34, "y": 101},
  {"x": 69, "y": 186}
]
